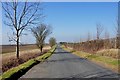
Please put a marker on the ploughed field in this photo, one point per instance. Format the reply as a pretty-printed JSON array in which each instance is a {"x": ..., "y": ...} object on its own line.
[{"x": 12, "y": 48}]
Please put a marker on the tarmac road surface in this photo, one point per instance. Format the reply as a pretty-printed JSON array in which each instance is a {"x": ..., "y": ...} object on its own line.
[{"x": 63, "y": 64}]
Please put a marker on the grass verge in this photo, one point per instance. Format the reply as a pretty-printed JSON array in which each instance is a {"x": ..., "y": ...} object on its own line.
[
  {"x": 16, "y": 72},
  {"x": 108, "y": 62}
]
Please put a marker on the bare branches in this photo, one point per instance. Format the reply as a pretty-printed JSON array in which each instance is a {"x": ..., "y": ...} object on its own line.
[
  {"x": 8, "y": 13},
  {"x": 20, "y": 16},
  {"x": 29, "y": 14},
  {"x": 117, "y": 33},
  {"x": 106, "y": 40},
  {"x": 52, "y": 41},
  {"x": 117, "y": 27},
  {"x": 99, "y": 29},
  {"x": 40, "y": 33},
  {"x": 107, "y": 34},
  {"x": 88, "y": 36}
]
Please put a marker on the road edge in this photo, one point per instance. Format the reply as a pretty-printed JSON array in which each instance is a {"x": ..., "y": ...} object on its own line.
[
  {"x": 94, "y": 61},
  {"x": 17, "y": 72}
]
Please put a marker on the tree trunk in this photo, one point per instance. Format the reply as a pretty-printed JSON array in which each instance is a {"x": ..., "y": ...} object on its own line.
[
  {"x": 41, "y": 48},
  {"x": 117, "y": 42},
  {"x": 17, "y": 47}
]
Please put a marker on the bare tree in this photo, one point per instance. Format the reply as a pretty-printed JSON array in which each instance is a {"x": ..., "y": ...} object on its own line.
[
  {"x": 52, "y": 41},
  {"x": 107, "y": 34},
  {"x": 88, "y": 36},
  {"x": 80, "y": 39},
  {"x": 99, "y": 29},
  {"x": 106, "y": 41},
  {"x": 117, "y": 33},
  {"x": 117, "y": 27},
  {"x": 20, "y": 16},
  {"x": 40, "y": 33}
]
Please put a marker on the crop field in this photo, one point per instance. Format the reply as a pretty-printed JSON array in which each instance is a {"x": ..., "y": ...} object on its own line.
[{"x": 12, "y": 48}]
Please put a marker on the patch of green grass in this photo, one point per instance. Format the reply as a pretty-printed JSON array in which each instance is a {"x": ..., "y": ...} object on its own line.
[
  {"x": 107, "y": 60},
  {"x": 104, "y": 59},
  {"x": 92, "y": 56},
  {"x": 19, "y": 70},
  {"x": 45, "y": 56}
]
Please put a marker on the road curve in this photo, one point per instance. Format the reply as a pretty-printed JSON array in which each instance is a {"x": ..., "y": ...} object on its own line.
[{"x": 63, "y": 64}]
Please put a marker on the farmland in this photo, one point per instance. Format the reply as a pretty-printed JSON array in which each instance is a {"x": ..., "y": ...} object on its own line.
[
  {"x": 12, "y": 48},
  {"x": 27, "y": 52},
  {"x": 59, "y": 40}
]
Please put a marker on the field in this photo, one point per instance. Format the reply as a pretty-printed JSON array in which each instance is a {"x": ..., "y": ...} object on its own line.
[
  {"x": 12, "y": 48},
  {"x": 8, "y": 57}
]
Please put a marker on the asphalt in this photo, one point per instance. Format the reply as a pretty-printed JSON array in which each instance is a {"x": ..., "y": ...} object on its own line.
[{"x": 63, "y": 64}]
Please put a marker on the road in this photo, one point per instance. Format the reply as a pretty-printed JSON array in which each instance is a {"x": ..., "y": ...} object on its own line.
[{"x": 63, "y": 64}]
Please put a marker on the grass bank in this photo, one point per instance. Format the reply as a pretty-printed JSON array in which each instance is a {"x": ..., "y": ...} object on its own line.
[
  {"x": 105, "y": 61},
  {"x": 16, "y": 72}
]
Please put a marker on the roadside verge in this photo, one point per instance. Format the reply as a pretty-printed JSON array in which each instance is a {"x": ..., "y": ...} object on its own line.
[
  {"x": 104, "y": 61},
  {"x": 17, "y": 72}
]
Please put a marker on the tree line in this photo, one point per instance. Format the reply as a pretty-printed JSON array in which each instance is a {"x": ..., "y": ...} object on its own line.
[
  {"x": 98, "y": 43},
  {"x": 22, "y": 16}
]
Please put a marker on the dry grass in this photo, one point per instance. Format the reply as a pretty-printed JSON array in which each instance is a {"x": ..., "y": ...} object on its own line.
[
  {"x": 21, "y": 69},
  {"x": 12, "y": 61},
  {"x": 36, "y": 50},
  {"x": 105, "y": 61},
  {"x": 113, "y": 53},
  {"x": 9, "y": 60},
  {"x": 12, "y": 48},
  {"x": 109, "y": 52}
]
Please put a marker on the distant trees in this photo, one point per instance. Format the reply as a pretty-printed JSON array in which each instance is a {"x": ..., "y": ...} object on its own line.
[
  {"x": 117, "y": 33},
  {"x": 106, "y": 39},
  {"x": 40, "y": 33},
  {"x": 52, "y": 41},
  {"x": 101, "y": 41},
  {"x": 99, "y": 30},
  {"x": 88, "y": 36},
  {"x": 19, "y": 17}
]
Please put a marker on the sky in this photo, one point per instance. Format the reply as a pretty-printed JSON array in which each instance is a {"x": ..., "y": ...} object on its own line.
[
  {"x": 64, "y": 0},
  {"x": 72, "y": 21}
]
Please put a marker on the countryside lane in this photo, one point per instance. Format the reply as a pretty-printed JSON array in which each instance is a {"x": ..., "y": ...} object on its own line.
[{"x": 63, "y": 64}]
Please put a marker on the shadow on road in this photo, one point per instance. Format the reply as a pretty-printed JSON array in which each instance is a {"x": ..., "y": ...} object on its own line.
[
  {"x": 96, "y": 74},
  {"x": 62, "y": 52},
  {"x": 68, "y": 59}
]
